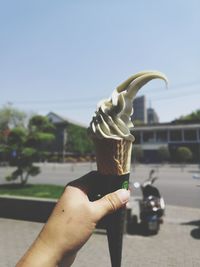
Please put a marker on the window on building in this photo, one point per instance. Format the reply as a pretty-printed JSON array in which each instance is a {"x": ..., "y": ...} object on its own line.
[
  {"x": 175, "y": 135},
  {"x": 148, "y": 137},
  {"x": 190, "y": 135},
  {"x": 161, "y": 136}
]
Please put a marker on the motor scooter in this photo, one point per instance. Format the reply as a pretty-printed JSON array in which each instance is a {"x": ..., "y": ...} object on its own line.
[{"x": 151, "y": 206}]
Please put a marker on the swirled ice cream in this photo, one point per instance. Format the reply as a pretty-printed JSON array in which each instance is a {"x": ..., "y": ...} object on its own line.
[{"x": 110, "y": 127}]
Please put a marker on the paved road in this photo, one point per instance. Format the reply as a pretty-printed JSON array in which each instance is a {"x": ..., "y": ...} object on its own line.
[
  {"x": 176, "y": 184},
  {"x": 176, "y": 245}
]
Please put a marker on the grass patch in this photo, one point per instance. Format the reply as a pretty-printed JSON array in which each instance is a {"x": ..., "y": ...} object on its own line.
[{"x": 32, "y": 190}]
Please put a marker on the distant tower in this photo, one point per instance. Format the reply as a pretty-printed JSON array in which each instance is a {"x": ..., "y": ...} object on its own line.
[
  {"x": 140, "y": 111},
  {"x": 152, "y": 116}
]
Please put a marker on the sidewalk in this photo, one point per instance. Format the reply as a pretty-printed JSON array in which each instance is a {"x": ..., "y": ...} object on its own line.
[{"x": 176, "y": 245}]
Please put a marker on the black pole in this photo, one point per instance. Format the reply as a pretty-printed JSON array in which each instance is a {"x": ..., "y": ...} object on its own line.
[
  {"x": 102, "y": 185},
  {"x": 115, "y": 221},
  {"x": 115, "y": 230}
]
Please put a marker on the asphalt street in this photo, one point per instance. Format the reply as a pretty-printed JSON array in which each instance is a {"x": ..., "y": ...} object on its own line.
[{"x": 175, "y": 183}]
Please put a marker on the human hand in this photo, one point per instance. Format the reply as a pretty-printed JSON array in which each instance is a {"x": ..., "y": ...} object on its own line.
[{"x": 70, "y": 225}]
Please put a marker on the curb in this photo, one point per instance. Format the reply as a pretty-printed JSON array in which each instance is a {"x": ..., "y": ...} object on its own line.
[{"x": 28, "y": 209}]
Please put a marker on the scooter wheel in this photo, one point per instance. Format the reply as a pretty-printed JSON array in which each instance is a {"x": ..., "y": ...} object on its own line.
[
  {"x": 153, "y": 227},
  {"x": 132, "y": 226}
]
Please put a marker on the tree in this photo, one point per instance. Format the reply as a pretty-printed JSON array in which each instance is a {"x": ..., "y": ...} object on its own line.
[
  {"x": 26, "y": 145},
  {"x": 11, "y": 117},
  {"x": 184, "y": 154},
  {"x": 78, "y": 140},
  {"x": 163, "y": 153},
  {"x": 194, "y": 116}
]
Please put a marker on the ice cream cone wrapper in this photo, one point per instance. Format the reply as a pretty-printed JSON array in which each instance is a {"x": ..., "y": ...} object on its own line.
[{"x": 113, "y": 156}]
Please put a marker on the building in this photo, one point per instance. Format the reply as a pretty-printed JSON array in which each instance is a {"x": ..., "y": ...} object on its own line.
[
  {"x": 171, "y": 136},
  {"x": 150, "y": 138},
  {"x": 152, "y": 117},
  {"x": 140, "y": 111},
  {"x": 61, "y": 124}
]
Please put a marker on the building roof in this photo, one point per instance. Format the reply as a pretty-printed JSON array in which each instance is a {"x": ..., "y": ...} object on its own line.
[
  {"x": 56, "y": 119},
  {"x": 165, "y": 126}
]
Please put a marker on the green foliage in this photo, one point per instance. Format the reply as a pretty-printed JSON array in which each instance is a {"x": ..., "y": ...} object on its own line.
[
  {"x": 163, "y": 153},
  {"x": 194, "y": 116},
  {"x": 184, "y": 154},
  {"x": 44, "y": 137},
  {"x": 15, "y": 174},
  {"x": 41, "y": 124},
  {"x": 78, "y": 140},
  {"x": 11, "y": 117},
  {"x": 26, "y": 145},
  {"x": 23, "y": 173},
  {"x": 33, "y": 170},
  {"x": 28, "y": 152},
  {"x": 17, "y": 136}
]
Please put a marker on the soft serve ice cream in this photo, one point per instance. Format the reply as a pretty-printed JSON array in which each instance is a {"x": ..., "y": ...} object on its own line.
[{"x": 110, "y": 127}]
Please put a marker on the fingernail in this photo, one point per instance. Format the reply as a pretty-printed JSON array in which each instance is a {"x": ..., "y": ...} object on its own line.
[{"x": 123, "y": 195}]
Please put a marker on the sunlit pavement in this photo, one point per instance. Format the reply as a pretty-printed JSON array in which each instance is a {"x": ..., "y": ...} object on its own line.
[{"x": 177, "y": 243}]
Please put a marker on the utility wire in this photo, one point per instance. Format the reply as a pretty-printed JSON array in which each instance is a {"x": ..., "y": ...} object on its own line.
[
  {"x": 93, "y": 106},
  {"x": 93, "y": 102},
  {"x": 97, "y": 98},
  {"x": 175, "y": 96}
]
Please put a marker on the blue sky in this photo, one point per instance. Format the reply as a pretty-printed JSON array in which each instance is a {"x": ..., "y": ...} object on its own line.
[{"x": 65, "y": 56}]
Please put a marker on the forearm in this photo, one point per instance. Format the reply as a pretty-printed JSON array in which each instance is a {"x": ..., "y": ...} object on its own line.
[
  {"x": 42, "y": 255},
  {"x": 38, "y": 255},
  {"x": 35, "y": 258}
]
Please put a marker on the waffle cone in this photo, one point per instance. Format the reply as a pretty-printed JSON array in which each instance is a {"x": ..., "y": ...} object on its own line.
[{"x": 113, "y": 156}]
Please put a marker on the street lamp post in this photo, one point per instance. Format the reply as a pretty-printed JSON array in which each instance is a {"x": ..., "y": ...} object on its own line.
[{"x": 64, "y": 143}]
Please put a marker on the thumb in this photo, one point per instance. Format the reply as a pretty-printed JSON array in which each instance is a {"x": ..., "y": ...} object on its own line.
[{"x": 110, "y": 203}]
